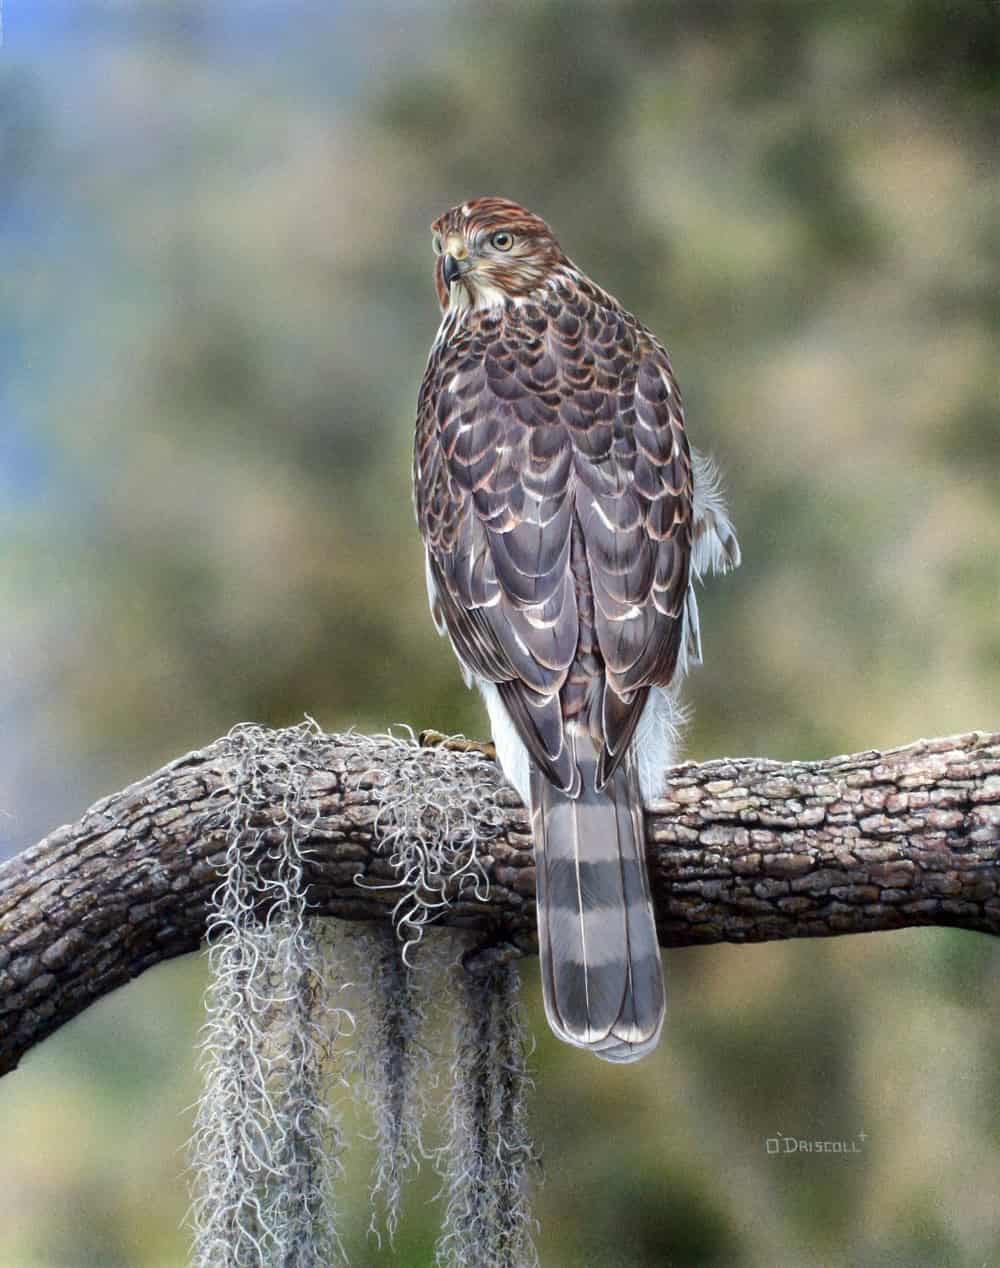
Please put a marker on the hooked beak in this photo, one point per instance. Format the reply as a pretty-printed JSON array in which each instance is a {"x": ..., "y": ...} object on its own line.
[{"x": 452, "y": 269}]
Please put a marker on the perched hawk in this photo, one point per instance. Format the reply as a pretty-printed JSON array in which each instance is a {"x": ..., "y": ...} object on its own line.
[{"x": 565, "y": 520}]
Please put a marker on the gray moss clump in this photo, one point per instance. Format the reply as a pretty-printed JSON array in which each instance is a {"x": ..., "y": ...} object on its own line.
[
  {"x": 438, "y": 814},
  {"x": 266, "y": 1142},
  {"x": 393, "y": 1068},
  {"x": 278, "y": 1044},
  {"x": 488, "y": 1158}
]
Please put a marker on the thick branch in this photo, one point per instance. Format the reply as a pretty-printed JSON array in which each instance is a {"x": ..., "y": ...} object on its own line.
[{"x": 742, "y": 850}]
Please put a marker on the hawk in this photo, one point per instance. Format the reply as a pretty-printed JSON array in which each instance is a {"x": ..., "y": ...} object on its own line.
[{"x": 565, "y": 520}]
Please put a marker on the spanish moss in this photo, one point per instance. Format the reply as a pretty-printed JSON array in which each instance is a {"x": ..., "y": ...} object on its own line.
[
  {"x": 488, "y": 1157},
  {"x": 266, "y": 1142}
]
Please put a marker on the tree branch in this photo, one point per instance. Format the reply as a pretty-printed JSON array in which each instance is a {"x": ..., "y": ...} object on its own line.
[{"x": 741, "y": 850}]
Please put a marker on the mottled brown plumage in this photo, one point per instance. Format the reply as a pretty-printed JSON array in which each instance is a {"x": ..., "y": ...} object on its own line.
[
  {"x": 542, "y": 426},
  {"x": 554, "y": 491}
]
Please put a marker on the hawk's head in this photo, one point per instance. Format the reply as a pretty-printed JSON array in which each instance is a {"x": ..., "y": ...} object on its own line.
[{"x": 489, "y": 250}]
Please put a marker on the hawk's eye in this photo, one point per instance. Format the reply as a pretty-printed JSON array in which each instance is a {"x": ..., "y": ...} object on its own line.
[
  {"x": 502, "y": 240},
  {"x": 438, "y": 244}
]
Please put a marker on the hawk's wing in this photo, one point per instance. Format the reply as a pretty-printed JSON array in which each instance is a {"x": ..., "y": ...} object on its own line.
[
  {"x": 634, "y": 501},
  {"x": 553, "y": 488}
]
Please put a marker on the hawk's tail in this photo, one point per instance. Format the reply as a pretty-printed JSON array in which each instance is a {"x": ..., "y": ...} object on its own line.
[{"x": 601, "y": 974}]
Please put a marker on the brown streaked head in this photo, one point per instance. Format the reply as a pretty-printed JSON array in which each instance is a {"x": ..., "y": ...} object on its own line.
[{"x": 491, "y": 249}]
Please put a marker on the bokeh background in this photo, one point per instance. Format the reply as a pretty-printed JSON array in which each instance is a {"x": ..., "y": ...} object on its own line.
[{"x": 215, "y": 306}]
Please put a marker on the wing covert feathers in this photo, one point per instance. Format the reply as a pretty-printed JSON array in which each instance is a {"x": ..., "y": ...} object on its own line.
[{"x": 553, "y": 486}]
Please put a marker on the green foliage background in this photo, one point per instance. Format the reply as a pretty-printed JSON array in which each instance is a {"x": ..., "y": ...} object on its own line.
[{"x": 216, "y": 302}]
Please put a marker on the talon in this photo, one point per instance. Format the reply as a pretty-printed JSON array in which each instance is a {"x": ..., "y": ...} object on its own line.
[{"x": 459, "y": 745}]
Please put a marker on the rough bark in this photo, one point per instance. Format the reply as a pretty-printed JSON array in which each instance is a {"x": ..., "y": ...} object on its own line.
[{"x": 741, "y": 850}]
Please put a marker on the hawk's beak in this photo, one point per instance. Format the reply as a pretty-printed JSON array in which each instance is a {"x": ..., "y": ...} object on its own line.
[{"x": 451, "y": 269}]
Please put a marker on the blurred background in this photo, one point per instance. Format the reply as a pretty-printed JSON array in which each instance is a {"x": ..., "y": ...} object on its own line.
[{"x": 215, "y": 307}]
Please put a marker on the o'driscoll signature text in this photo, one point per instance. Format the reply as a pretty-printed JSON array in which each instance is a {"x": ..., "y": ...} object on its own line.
[{"x": 782, "y": 1144}]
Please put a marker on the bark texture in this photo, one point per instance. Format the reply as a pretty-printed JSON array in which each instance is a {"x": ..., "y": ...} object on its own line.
[{"x": 741, "y": 850}]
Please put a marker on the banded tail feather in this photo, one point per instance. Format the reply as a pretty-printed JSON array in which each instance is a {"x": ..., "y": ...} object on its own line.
[{"x": 602, "y": 979}]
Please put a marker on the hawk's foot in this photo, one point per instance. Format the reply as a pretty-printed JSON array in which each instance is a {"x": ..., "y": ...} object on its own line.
[{"x": 457, "y": 744}]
